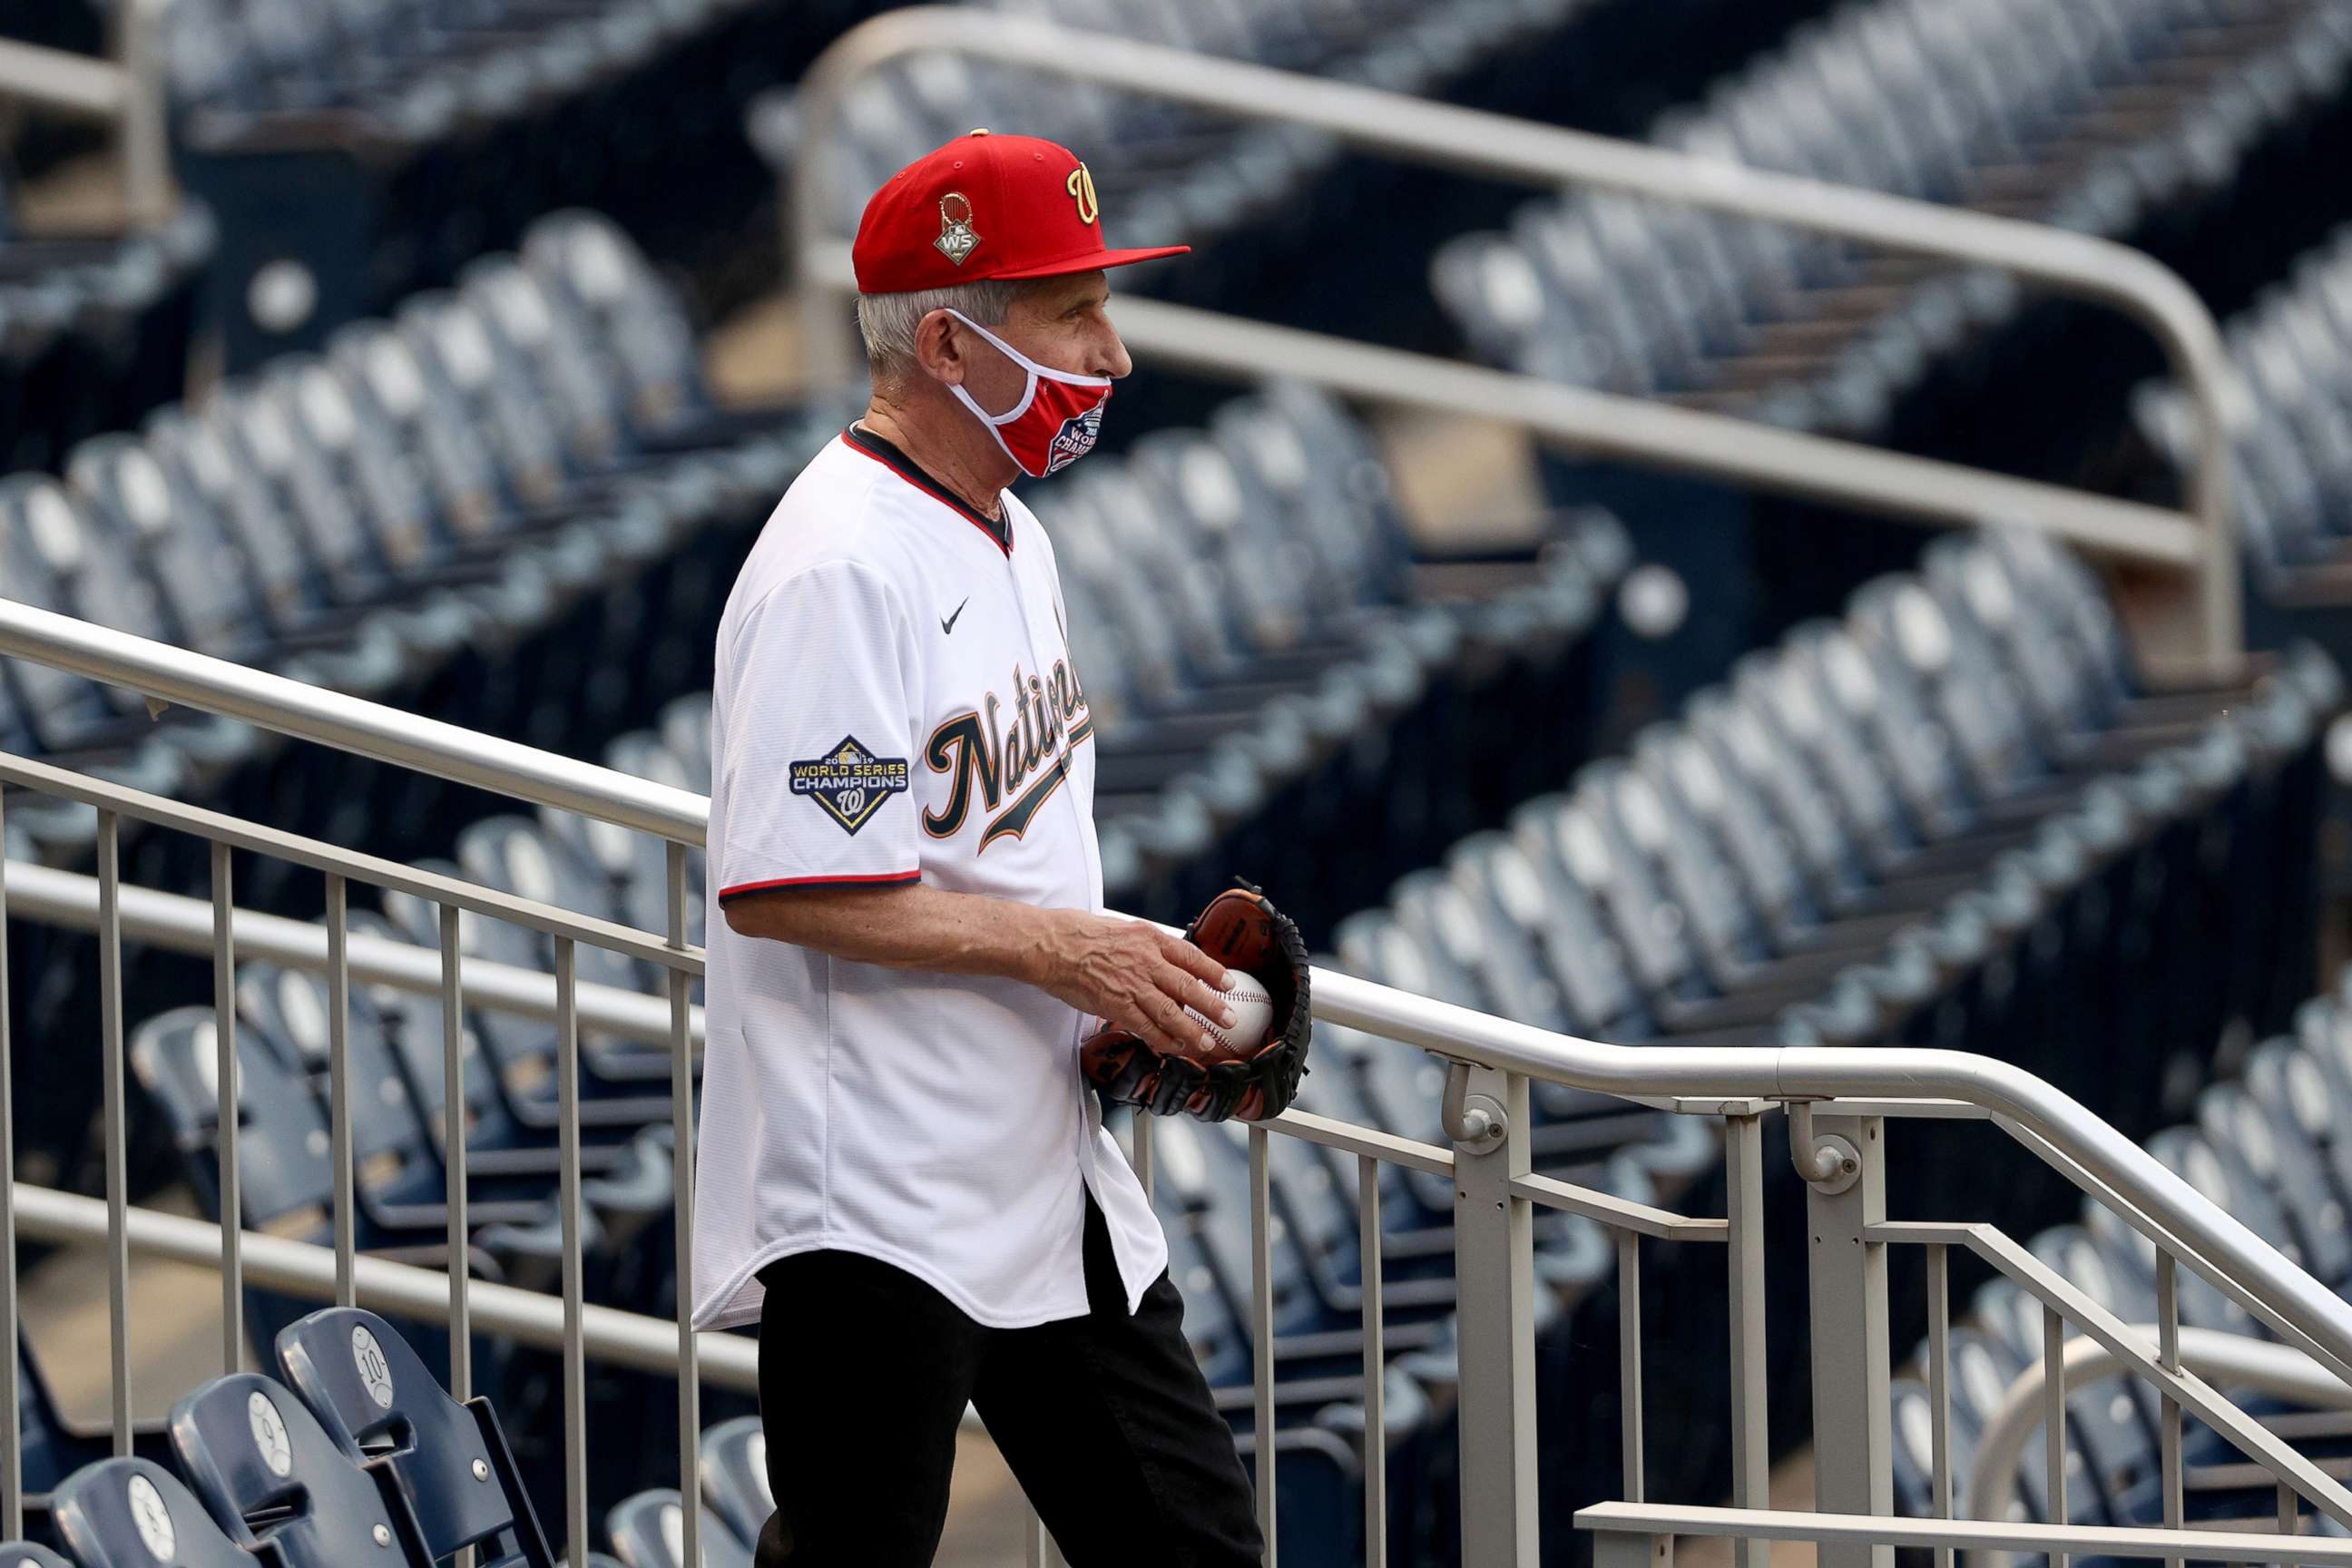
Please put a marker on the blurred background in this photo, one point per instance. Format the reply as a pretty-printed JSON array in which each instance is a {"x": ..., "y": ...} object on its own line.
[{"x": 446, "y": 353}]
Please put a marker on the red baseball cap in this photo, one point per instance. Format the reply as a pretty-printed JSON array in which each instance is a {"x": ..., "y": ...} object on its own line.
[{"x": 985, "y": 206}]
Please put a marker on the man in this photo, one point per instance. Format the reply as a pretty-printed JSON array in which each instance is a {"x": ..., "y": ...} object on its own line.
[{"x": 903, "y": 1177}]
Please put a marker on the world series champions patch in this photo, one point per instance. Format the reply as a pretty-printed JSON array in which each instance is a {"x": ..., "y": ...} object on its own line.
[{"x": 850, "y": 782}]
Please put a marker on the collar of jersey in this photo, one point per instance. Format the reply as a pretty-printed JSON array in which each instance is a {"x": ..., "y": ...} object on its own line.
[{"x": 888, "y": 454}]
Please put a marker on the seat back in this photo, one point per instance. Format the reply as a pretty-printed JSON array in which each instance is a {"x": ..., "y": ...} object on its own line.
[
  {"x": 635, "y": 322},
  {"x": 734, "y": 1476},
  {"x": 25, "y": 1554},
  {"x": 390, "y": 386},
  {"x": 285, "y": 1179},
  {"x": 648, "y": 1530},
  {"x": 269, "y": 1473},
  {"x": 134, "y": 1513},
  {"x": 375, "y": 1398},
  {"x": 207, "y": 604}
]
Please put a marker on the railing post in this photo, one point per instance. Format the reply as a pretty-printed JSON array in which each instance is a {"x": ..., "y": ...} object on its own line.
[
  {"x": 1494, "y": 1245},
  {"x": 1751, "y": 1446},
  {"x": 1842, "y": 1159}
]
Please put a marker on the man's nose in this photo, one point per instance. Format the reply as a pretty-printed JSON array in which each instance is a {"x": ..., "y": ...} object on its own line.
[{"x": 1111, "y": 359}]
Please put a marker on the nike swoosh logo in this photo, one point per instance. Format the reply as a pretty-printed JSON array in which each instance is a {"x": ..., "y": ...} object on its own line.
[{"x": 947, "y": 622}]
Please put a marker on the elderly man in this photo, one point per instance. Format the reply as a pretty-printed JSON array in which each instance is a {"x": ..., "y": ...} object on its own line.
[{"x": 904, "y": 1179}]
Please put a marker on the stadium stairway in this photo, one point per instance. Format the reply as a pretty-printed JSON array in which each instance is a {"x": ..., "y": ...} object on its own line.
[{"x": 2137, "y": 120}]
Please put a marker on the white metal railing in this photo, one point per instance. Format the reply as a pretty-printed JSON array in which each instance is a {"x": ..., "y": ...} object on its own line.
[
  {"x": 1841, "y": 1103},
  {"x": 128, "y": 92},
  {"x": 2201, "y": 544}
]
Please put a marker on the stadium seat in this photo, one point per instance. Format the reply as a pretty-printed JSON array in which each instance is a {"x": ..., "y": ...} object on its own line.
[
  {"x": 648, "y": 1530},
  {"x": 450, "y": 1461},
  {"x": 134, "y": 1513},
  {"x": 275, "y": 1480},
  {"x": 735, "y": 1476}
]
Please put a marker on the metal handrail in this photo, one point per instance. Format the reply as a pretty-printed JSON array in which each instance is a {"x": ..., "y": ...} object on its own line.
[
  {"x": 130, "y": 91},
  {"x": 1785, "y": 1073},
  {"x": 288, "y": 707},
  {"x": 1500, "y": 147}
]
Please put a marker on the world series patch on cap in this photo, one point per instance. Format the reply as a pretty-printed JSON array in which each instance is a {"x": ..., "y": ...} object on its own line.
[{"x": 986, "y": 206}]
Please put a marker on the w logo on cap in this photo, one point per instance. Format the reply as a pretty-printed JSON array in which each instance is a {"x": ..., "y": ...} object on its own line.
[{"x": 1081, "y": 186}]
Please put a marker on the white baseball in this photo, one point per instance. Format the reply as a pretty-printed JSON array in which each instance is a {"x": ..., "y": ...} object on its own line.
[{"x": 1253, "y": 1015}]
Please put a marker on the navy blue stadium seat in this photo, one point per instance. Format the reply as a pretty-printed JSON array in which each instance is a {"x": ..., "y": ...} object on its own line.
[
  {"x": 273, "y": 1478},
  {"x": 134, "y": 1513},
  {"x": 450, "y": 1461}
]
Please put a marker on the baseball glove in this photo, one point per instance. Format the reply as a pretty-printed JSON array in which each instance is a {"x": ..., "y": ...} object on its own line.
[{"x": 1242, "y": 931}]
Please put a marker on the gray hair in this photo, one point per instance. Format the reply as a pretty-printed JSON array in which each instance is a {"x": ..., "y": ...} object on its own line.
[{"x": 887, "y": 322}]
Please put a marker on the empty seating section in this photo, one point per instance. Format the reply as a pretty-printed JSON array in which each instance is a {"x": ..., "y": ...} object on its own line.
[
  {"x": 2188, "y": 127},
  {"x": 2088, "y": 116},
  {"x": 441, "y": 508},
  {"x": 2266, "y": 1144}
]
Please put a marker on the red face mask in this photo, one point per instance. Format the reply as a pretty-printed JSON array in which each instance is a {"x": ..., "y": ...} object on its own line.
[{"x": 1056, "y": 421}]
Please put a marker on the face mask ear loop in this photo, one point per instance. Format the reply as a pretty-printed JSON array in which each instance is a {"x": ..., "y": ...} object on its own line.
[
  {"x": 1067, "y": 377},
  {"x": 993, "y": 424}
]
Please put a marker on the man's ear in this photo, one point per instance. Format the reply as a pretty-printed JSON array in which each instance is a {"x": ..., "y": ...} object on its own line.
[{"x": 936, "y": 349}]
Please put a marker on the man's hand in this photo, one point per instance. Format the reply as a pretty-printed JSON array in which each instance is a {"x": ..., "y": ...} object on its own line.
[
  {"x": 1127, "y": 973},
  {"x": 1133, "y": 976}
]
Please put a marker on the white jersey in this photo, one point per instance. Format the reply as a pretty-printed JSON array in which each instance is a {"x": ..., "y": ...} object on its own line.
[{"x": 894, "y": 702}]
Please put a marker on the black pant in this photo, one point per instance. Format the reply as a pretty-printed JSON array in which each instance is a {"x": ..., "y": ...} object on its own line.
[{"x": 1105, "y": 1420}]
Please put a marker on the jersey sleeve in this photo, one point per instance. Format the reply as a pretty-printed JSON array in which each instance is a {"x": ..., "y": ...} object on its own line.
[{"x": 819, "y": 685}]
